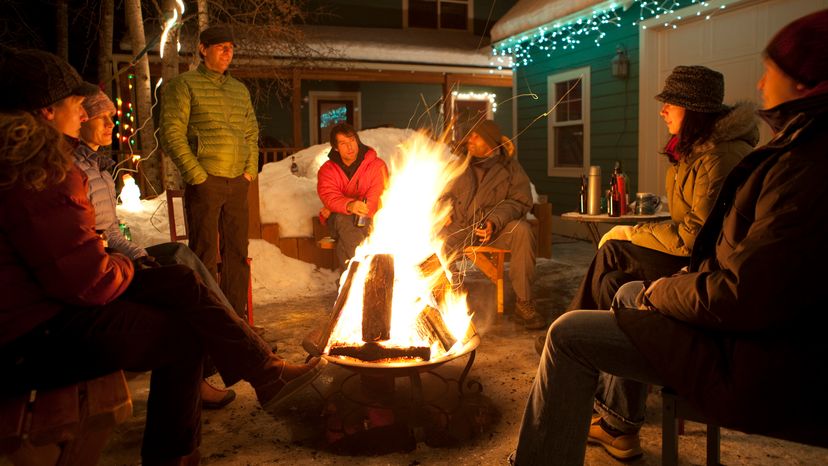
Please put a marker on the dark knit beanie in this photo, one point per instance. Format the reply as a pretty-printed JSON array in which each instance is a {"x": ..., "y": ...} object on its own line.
[
  {"x": 216, "y": 35},
  {"x": 33, "y": 79},
  {"x": 695, "y": 88},
  {"x": 489, "y": 131},
  {"x": 799, "y": 49}
]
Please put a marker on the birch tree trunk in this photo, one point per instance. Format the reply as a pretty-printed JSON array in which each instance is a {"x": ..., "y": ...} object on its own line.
[
  {"x": 169, "y": 70},
  {"x": 105, "y": 68},
  {"x": 150, "y": 161},
  {"x": 62, "y": 29},
  {"x": 203, "y": 23}
]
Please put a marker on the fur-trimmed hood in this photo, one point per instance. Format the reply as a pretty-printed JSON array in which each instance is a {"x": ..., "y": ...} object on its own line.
[{"x": 740, "y": 123}]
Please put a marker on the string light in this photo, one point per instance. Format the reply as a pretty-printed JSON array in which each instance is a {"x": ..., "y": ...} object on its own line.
[
  {"x": 522, "y": 49},
  {"x": 490, "y": 96}
]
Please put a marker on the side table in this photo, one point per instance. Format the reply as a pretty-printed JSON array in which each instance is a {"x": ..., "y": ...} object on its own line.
[{"x": 591, "y": 221}]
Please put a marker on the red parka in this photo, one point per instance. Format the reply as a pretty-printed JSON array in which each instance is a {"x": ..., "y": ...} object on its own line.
[
  {"x": 336, "y": 190},
  {"x": 50, "y": 256}
]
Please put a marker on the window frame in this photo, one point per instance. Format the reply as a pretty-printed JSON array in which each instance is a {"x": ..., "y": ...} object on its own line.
[
  {"x": 551, "y": 81},
  {"x": 469, "y": 15},
  {"x": 313, "y": 114}
]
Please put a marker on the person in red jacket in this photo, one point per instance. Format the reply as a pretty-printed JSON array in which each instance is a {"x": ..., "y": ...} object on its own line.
[
  {"x": 349, "y": 184},
  {"x": 73, "y": 311}
]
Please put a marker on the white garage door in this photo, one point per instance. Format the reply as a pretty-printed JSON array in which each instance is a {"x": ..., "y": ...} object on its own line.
[{"x": 731, "y": 42}]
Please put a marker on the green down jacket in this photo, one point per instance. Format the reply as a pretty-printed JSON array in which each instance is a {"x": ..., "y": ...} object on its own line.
[{"x": 208, "y": 126}]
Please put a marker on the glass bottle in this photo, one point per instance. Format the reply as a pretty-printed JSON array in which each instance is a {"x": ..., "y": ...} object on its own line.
[
  {"x": 613, "y": 198},
  {"x": 582, "y": 197},
  {"x": 622, "y": 185},
  {"x": 125, "y": 231},
  {"x": 361, "y": 220}
]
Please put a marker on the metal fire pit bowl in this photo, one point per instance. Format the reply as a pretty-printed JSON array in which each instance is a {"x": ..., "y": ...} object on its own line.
[{"x": 404, "y": 368}]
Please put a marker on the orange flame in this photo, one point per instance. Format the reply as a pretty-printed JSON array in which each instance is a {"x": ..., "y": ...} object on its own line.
[{"x": 407, "y": 227}]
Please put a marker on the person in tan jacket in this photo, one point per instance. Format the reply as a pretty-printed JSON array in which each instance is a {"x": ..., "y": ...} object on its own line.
[{"x": 707, "y": 140}]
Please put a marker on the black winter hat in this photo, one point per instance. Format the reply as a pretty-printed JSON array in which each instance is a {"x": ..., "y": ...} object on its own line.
[
  {"x": 799, "y": 49},
  {"x": 695, "y": 88},
  {"x": 216, "y": 35},
  {"x": 34, "y": 79}
]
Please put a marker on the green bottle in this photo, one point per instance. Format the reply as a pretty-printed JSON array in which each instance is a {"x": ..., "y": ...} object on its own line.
[{"x": 125, "y": 231}]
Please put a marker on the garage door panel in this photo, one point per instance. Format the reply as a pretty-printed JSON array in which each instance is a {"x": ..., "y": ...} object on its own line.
[
  {"x": 733, "y": 34},
  {"x": 731, "y": 41}
]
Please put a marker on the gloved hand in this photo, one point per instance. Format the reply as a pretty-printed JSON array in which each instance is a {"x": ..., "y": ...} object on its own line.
[
  {"x": 622, "y": 232},
  {"x": 146, "y": 262}
]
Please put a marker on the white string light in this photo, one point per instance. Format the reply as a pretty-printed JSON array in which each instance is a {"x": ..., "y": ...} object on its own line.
[{"x": 523, "y": 49}]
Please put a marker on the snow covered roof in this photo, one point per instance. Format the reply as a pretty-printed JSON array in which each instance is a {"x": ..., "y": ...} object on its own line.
[
  {"x": 416, "y": 46},
  {"x": 423, "y": 47},
  {"x": 529, "y": 14}
]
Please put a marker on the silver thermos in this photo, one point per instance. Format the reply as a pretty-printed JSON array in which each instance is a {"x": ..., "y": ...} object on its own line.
[{"x": 594, "y": 191}]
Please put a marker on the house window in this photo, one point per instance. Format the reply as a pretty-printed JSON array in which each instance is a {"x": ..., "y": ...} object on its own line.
[
  {"x": 438, "y": 14},
  {"x": 568, "y": 123},
  {"x": 328, "y": 109}
]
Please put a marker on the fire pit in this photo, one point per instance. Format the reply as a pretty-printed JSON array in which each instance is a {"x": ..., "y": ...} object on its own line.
[{"x": 400, "y": 312}]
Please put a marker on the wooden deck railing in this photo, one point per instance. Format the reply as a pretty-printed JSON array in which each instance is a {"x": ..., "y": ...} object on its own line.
[{"x": 274, "y": 154}]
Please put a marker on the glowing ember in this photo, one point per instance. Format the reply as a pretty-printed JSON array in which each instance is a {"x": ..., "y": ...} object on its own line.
[{"x": 406, "y": 227}]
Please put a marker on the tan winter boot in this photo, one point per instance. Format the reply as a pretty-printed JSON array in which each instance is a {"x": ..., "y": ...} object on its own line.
[{"x": 525, "y": 310}]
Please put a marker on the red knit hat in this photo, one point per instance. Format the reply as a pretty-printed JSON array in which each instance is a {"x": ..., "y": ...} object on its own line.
[{"x": 799, "y": 49}]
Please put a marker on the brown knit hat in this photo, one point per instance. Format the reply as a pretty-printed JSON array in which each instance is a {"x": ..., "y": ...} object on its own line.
[
  {"x": 489, "y": 131},
  {"x": 98, "y": 104},
  {"x": 799, "y": 49},
  {"x": 695, "y": 88},
  {"x": 33, "y": 79}
]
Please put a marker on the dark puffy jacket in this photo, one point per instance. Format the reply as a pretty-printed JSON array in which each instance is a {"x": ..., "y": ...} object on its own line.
[
  {"x": 50, "y": 256},
  {"x": 208, "y": 126},
  {"x": 742, "y": 334}
]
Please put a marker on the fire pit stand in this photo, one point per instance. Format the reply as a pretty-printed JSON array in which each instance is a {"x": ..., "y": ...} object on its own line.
[{"x": 368, "y": 408}]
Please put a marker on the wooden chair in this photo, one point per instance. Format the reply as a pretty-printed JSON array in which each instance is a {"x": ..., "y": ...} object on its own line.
[
  {"x": 176, "y": 197},
  {"x": 63, "y": 426},
  {"x": 491, "y": 262}
]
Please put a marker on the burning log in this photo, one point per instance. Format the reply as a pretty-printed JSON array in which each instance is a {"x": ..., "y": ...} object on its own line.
[
  {"x": 375, "y": 352},
  {"x": 432, "y": 267},
  {"x": 376, "y": 299},
  {"x": 435, "y": 327},
  {"x": 315, "y": 346}
]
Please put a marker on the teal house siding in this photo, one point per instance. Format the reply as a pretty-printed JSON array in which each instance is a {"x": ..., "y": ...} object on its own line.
[
  {"x": 613, "y": 109},
  {"x": 400, "y": 105}
]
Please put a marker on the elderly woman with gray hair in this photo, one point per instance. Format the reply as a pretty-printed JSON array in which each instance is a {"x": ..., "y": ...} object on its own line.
[{"x": 96, "y": 132}]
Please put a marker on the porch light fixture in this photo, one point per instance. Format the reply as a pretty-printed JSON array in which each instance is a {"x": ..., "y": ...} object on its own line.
[{"x": 620, "y": 63}]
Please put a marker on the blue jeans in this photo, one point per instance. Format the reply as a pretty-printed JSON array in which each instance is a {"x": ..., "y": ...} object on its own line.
[
  {"x": 620, "y": 401},
  {"x": 580, "y": 345}
]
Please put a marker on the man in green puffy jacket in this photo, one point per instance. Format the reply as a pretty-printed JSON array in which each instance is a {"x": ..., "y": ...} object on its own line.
[{"x": 209, "y": 129}]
